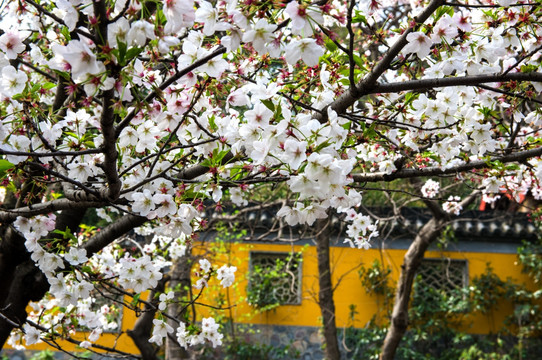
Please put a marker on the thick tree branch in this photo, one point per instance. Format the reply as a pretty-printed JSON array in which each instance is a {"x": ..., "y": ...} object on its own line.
[
  {"x": 472, "y": 80},
  {"x": 112, "y": 232},
  {"x": 51, "y": 154},
  {"x": 399, "y": 319},
  {"x": 369, "y": 82},
  {"x": 46, "y": 208},
  {"x": 110, "y": 147},
  {"x": 198, "y": 170},
  {"x": 141, "y": 333},
  {"x": 325, "y": 293},
  {"x": 435, "y": 170},
  {"x": 414, "y": 256}
]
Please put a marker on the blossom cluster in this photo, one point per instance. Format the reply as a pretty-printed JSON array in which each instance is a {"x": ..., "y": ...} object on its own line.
[{"x": 160, "y": 113}]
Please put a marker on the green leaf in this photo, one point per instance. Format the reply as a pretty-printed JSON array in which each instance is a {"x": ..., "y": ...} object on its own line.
[
  {"x": 135, "y": 299},
  {"x": 66, "y": 33},
  {"x": 358, "y": 61},
  {"x": 330, "y": 45},
  {"x": 74, "y": 135},
  {"x": 4, "y": 167},
  {"x": 122, "y": 48},
  {"x": 90, "y": 144},
  {"x": 370, "y": 132},
  {"x": 212, "y": 123},
  {"x": 346, "y": 125},
  {"x": 443, "y": 10},
  {"x": 409, "y": 97},
  {"x": 207, "y": 163},
  {"x": 529, "y": 68},
  {"x": 35, "y": 88},
  {"x": 359, "y": 18},
  {"x": 48, "y": 85},
  {"x": 269, "y": 104},
  {"x": 322, "y": 146},
  {"x": 66, "y": 234},
  {"x": 132, "y": 53},
  {"x": 160, "y": 17},
  {"x": 218, "y": 157}
]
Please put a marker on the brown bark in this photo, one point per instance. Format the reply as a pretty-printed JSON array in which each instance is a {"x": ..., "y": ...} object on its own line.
[
  {"x": 113, "y": 231},
  {"x": 29, "y": 284},
  {"x": 12, "y": 253},
  {"x": 20, "y": 280},
  {"x": 141, "y": 333},
  {"x": 520, "y": 156},
  {"x": 180, "y": 281},
  {"x": 325, "y": 294},
  {"x": 370, "y": 81},
  {"x": 399, "y": 318}
]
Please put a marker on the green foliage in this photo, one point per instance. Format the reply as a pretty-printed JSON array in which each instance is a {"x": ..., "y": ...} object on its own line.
[
  {"x": 364, "y": 343},
  {"x": 435, "y": 315},
  {"x": 43, "y": 355},
  {"x": 261, "y": 289},
  {"x": 50, "y": 355},
  {"x": 486, "y": 290},
  {"x": 240, "y": 341},
  {"x": 530, "y": 256},
  {"x": 376, "y": 279},
  {"x": 242, "y": 350},
  {"x": 5, "y": 167}
]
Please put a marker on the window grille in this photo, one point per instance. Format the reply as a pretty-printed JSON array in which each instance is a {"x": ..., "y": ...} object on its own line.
[
  {"x": 275, "y": 278},
  {"x": 443, "y": 275}
]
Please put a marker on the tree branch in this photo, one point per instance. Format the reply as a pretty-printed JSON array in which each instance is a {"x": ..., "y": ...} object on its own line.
[
  {"x": 46, "y": 208},
  {"x": 148, "y": 99},
  {"x": 112, "y": 232},
  {"x": 473, "y": 80},
  {"x": 435, "y": 170},
  {"x": 368, "y": 83}
]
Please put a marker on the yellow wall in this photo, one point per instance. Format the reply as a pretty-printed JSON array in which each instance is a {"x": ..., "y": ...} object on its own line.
[{"x": 345, "y": 263}]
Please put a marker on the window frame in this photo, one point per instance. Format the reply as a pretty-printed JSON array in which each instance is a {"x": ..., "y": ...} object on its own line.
[
  {"x": 283, "y": 256},
  {"x": 445, "y": 261}
]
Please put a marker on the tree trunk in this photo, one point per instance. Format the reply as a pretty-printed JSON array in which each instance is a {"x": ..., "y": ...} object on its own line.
[
  {"x": 29, "y": 284},
  {"x": 141, "y": 333},
  {"x": 180, "y": 282},
  {"x": 20, "y": 280},
  {"x": 325, "y": 294},
  {"x": 399, "y": 318}
]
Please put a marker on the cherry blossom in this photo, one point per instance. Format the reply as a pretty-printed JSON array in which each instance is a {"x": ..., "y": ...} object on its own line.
[
  {"x": 304, "y": 49},
  {"x": 159, "y": 114},
  {"x": 226, "y": 275},
  {"x": 430, "y": 189},
  {"x": 418, "y": 43},
  {"x": 260, "y": 35},
  {"x": 453, "y": 206},
  {"x": 80, "y": 58},
  {"x": 13, "y": 81},
  {"x": 11, "y": 44},
  {"x": 32, "y": 335}
]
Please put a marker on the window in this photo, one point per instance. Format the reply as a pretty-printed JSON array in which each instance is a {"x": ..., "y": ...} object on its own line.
[
  {"x": 443, "y": 275},
  {"x": 275, "y": 279}
]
